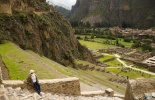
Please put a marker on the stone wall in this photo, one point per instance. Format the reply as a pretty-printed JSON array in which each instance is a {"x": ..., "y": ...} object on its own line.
[
  {"x": 136, "y": 89},
  {"x": 70, "y": 86}
]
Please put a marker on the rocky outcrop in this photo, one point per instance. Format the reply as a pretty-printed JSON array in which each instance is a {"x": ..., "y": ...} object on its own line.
[
  {"x": 123, "y": 13},
  {"x": 37, "y": 26},
  {"x": 137, "y": 89}
]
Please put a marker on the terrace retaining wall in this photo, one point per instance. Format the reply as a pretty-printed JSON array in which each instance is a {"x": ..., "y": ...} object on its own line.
[{"x": 70, "y": 86}]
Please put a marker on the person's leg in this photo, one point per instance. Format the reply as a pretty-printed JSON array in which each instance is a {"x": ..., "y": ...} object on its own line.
[{"x": 36, "y": 87}]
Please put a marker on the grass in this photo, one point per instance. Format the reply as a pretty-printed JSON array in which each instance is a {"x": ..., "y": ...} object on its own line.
[
  {"x": 132, "y": 74},
  {"x": 113, "y": 63},
  {"x": 19, "y": 63},
  {"x": 126, "y": 44},
  {"x": 96, "y": 77},
  {"x": 106, "y": 57},
  {"x": 87, "y": 76},
  {"x": 94, "y": 45}
]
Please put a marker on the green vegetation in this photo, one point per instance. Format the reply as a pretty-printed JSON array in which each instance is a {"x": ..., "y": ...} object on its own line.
[
  {"x": 18, "y": 62},
  {"x": 130, "y": 73},
  {"x": 113, "y": 63},
  {"x": 106, "y": 57},
  {"x": 94, "y": 45},
  {"x": 110, "y": 60}
]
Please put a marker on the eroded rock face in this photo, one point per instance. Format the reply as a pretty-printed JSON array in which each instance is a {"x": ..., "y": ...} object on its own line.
[
  {"x": 123, "y": 13},
  {"x": 5, "y": 6},
  {"x": 37, "y": 26},
  {"x": 136, "y": 89}
]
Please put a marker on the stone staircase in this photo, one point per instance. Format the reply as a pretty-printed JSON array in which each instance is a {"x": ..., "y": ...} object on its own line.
[{"x": 9, "y": 93}]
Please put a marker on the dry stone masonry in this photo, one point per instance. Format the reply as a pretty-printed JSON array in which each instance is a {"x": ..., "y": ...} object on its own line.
[
  {"x": 69, "y": 86},
  {"x": 57, "y": 89},
  {"x": 140, "y": 89}
]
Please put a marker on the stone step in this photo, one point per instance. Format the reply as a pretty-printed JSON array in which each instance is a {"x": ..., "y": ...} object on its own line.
[
  {"x": 93, "y": 93},
  {"x": 18, "y": 93}
]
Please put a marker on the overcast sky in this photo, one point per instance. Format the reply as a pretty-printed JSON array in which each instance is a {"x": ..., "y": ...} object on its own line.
[{"x": 65, "y": 3}]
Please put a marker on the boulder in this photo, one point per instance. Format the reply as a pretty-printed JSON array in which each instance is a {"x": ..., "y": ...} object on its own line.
[{"x": 110, "y": 92}]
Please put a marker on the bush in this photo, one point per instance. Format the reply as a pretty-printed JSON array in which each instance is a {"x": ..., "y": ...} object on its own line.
[
  {"x": 78, "y": 37},
  {"x": 127, "y": 40}
]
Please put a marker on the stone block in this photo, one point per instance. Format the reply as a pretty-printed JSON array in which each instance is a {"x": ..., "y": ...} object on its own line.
[
  {"x": 70, "y": 86},
  {"x": 4, "y": 97},
  {"x": 93, "y": 93},
  {"x": 110, "y": 92}
]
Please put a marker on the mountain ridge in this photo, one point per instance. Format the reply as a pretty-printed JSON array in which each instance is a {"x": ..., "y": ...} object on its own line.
[{"x": 122, "y": 13}]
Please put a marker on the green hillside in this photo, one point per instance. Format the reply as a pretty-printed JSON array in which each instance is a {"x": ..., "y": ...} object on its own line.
[{"x": 19, "y": 62}]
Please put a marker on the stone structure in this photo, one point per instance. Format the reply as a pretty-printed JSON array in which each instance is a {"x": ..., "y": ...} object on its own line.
[
  {"x": 137, "y": 89},
  {"x": 9, "y": 93},
  {"x": 110, "y": 92},
  {"x": 70, "y": 86},
  {"x": 93, "y": 93}
]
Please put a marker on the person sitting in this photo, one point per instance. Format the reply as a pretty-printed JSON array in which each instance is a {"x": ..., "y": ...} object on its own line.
[{"x": 33, "y": 81}]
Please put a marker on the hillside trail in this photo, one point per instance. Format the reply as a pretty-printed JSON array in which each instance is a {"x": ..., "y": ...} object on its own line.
[
  {"x": 130, "y": 66},
  {"x": 59, "y": 75}
]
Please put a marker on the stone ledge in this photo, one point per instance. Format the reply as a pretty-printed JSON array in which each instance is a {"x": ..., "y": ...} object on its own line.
[
  {"x": 93, "y": 93},
  {"x": 119, "y": 96},
  {"x": 70, "y": 86},
  {"x": 110, "y": 92},
  {"x": 59, "y": 80}
]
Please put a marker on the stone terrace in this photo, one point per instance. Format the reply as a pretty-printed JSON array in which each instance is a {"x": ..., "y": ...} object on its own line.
[{"x": 57, "y": 89}]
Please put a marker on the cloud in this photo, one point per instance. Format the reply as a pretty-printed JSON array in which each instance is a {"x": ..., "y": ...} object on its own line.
[{"x": 64, "y": 3}]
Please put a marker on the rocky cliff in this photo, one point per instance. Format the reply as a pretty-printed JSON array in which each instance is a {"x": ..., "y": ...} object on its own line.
[
  {"x": 35, "y": 25},
  {"x": 123, "y": 13}
]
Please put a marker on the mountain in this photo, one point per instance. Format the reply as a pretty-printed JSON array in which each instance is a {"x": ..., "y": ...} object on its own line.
[
  {"x": 62, "y": 10},
  {"x": 123, "y": 13},
  {"x": 35, "y": 25}
]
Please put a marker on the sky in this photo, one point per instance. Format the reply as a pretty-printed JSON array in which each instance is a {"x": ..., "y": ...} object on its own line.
[{"x": 65, "y": 3}]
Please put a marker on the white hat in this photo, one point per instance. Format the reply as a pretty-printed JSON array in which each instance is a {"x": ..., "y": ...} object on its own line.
[{"x": 31, "y": 71}]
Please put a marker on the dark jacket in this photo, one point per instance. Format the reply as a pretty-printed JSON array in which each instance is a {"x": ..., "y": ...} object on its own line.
[{"x": 29, "y": 80}]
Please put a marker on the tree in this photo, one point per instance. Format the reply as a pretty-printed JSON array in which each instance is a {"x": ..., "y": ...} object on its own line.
[
  {"x": 127, "y": 40},
  {"x": 146, "y": 47}
]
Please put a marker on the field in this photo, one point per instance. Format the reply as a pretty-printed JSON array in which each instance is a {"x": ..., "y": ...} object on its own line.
[
  {"x": 94, "y": 45},
  {"x": 102, "y": 40},
  {"x": 130, "y": 73},
  {"x": 126, "y": 44},
  {"x": 18, "y": 63}
]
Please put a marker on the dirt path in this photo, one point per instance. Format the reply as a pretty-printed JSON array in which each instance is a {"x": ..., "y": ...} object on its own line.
[
  {"x": 5, "y": 73},
  {"x": 59, "y": 75},
  {"x": 125, "y": 65}
]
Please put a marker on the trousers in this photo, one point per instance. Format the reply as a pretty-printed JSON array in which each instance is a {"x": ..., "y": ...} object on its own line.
[{"x": 37, "y": 87}]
